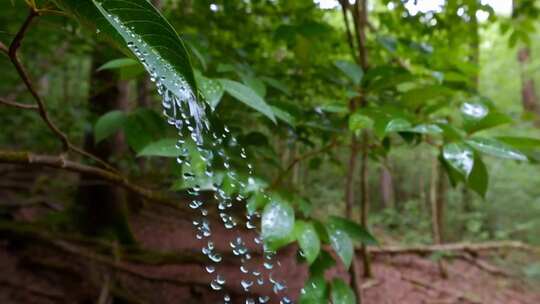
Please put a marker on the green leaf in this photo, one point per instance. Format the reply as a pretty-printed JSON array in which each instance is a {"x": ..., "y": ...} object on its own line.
[
  {"x": 460, "y": 157},
  {"x": 358, "y": 122},
  {"x": 495, "y": 148},
  {"x": 108, "y": 124},
  {"x": 255, "y": 84},
  {"x": 342, "y": 293},
  {"x": 478, "y": 116},
  {"x": 143, "y": 127},
  {"x": 247, "y": 96},
  {"x": 420, "y": 96},
  {"x": 397, "y": 125},
  {"x": 323, "y": 262},
  {"x": 314, "y": 291},
  {"x": 139, "y": 26},
  {"x": 493, "y": 119},
  {"x": 211, "y": 89},
  {"x": 308, "y": 240},
  {"x": 163, "y": 148},
  {"x": 522, "y": 143},
  {"x": 256, "y": 202},
  {"x": 479, "y": 178},
  {"x": 342, "y": 244},
  {"x": 284, "y": 116},
  {"x": 277, "y": 84},
  {"x": 431, "y": 129},
  {"x": 354, "y": 230},
  {"x": 351, "y": 69},
  {"x": 118, "y": 63},
  {"x": 277, "y": 223}
]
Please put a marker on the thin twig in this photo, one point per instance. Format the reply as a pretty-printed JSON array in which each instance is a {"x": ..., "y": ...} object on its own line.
[
  {"x": 298, "y": 159},
  {"x": 18, "y": 105},
  {"x": 4, "y": 48},
  {"x": 12, "y": 53}
]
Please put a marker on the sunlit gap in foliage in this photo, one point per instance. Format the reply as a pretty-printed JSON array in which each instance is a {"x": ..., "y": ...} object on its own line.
[{"x": 188, "y": 115}]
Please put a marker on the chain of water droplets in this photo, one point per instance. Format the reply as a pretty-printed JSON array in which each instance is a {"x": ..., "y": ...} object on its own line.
[{"x": 176, "y": 105}]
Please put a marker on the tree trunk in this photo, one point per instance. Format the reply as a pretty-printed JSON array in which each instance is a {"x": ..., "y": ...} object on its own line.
[
  {"x": 437, "y": 192},
  {"x": 103, "y": 207},
  {"x": 386, "y": 185},
  {"x": 528, "y": 90}
]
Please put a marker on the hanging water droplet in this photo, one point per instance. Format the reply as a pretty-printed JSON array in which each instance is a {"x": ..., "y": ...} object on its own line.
[{"x": 246, "y": 284}]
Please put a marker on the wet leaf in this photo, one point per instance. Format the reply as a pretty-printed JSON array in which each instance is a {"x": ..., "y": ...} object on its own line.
[
  {"x": 432, "y": 129},
  {"x": 247, "y": 96},
  {"x": 342, "y": 293},
  {"x": 138, "y": 25},
  {"x": 342, "y": 244},
  {"x": 108, "y": 124},
  {"x": 277, "y": 223},
  {"x": 354, "y": 230},
  {"x": 314, "y": 291},
  {"x": 460, "y": 157},
  {"x": 495, "y": 148},
  {"x": 211, "y": 89},
  {"x": 308, "y": 240}
]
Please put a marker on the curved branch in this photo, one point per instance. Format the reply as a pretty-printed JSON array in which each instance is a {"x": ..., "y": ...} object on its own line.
[
  {"x": 298, "y": 159},
  {"x": 60, "y": 162},
  {"x": 18, "y": 105},
  {"x": 12, "y": 54}
]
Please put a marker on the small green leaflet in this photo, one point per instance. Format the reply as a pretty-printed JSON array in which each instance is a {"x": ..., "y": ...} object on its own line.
[
  {"x": 342, "y": 244},
  {"x": 351, "y": 69},
  {"x": 163, "y": 148},
  {"x": 354, "y": 230},
  {"x": 277, "y": 223},
  {"x": 314, "y": 291},
  {"x": 108, "y": 124},
  {"x": 495, "y": 148},
  {"x": 342, "y": 293},
  {"x": 460, "y": 157},
  {"x": 118, "y": 63},
  {"x": 308, "y": 240},
  {"x": 211, "y": 89},
  {"x": 247, "y": 96}
]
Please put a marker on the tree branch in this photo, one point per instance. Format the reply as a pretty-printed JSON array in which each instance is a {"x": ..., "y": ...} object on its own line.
[
  {"x": 298, "y": 159},
  {"x": 12, "y": 54},
  {"x": 18, "y": 105},
  {"x": 457, "y": 247},
  {"x": 60, "y": 162}
]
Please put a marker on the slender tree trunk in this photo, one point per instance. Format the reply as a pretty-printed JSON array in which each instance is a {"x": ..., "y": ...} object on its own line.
[
  {"x": 386, "y": 185},
  {"x": 364, "y": 188},
  {"x": 437, "y": 194},
  {"x": 529, "y": 97},
  {"x": 103, "y": 207},
  {"x": 349, "y": 204},
  {"x": 528, "y": 90},
  {"x": 349, "y": 181}
]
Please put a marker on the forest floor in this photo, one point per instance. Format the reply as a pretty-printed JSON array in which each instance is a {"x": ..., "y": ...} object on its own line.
[{"x": 41, "y": 266}]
